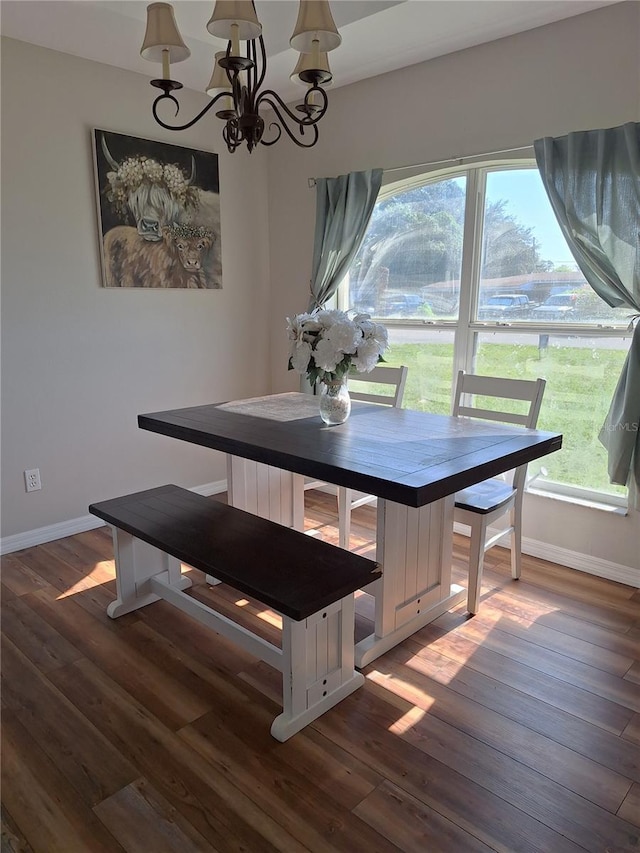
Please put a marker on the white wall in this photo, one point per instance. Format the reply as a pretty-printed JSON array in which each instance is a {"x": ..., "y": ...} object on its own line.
[
  {"x": 80, "y": 362},
  {"x": 580, "y": 73}
]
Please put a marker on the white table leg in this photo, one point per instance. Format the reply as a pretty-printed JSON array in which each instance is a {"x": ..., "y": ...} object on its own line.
[
  {"x": 414, "y": 548},
  {"x": 266, "y": 491}
]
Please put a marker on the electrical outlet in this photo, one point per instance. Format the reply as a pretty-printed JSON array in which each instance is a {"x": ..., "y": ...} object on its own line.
[{"x": 32, "y": 480}]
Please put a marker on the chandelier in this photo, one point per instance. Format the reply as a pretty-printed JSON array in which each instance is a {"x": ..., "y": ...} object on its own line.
[{"x": 238, "y": 77}]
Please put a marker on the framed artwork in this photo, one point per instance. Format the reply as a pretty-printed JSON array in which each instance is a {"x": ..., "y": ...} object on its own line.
[{"x": 158, "y": 213}]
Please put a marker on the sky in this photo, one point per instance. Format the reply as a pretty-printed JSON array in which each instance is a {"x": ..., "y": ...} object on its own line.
[{"x": 527, "y": 200}]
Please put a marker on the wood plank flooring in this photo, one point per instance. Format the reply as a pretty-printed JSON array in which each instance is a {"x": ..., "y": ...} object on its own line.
[{"x": 516, "y": 730}]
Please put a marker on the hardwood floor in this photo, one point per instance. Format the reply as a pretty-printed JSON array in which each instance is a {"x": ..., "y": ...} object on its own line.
[{"x": 516, "y": 730}]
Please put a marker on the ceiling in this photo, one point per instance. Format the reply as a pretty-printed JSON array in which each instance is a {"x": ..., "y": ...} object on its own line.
[{"x": 378, "y": 35}]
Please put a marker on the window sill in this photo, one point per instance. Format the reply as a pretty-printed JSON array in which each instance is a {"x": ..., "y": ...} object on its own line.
[{"x": 592, "y": 503}]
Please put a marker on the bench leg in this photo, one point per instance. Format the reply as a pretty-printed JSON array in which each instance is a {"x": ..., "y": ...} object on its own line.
[
  {"x": 317, "y": 666},
  {"x": 136, "y": 563}
]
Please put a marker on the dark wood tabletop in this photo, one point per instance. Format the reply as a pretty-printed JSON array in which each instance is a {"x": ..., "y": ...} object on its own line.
[{"x": 409, "y": 457}]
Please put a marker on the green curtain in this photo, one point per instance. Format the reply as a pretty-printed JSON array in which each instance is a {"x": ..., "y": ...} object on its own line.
[
  {"x": 343, "y": 209},
  {"x": 592, "y": 179}
]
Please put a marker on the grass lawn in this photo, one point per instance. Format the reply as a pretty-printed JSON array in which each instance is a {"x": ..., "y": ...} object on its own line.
[{"x": 580, "y": 384}]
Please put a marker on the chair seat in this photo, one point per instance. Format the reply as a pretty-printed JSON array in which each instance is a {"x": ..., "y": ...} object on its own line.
[{"x": 484, "y": 497}]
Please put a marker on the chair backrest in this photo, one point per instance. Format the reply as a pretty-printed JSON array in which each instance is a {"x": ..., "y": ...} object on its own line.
[
  {"x": 527, "y": 390},
  {"x": 395, "y": 377}
]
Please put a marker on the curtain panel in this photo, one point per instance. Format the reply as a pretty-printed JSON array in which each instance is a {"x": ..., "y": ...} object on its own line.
[
  {"x": 343, "y": 209},
  {"x": 592, "y": 179}
]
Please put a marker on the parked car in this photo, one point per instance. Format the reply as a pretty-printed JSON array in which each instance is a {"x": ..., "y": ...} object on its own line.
[
  {"x": 506, "y": 305},
  {"x": 364, "y": 306},
  {"x": 561, "y": 307},
  {"x": 402, "y": 305}
]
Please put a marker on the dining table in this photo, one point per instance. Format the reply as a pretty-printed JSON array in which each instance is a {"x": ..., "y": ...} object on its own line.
[{"x": 412, "y": 461}]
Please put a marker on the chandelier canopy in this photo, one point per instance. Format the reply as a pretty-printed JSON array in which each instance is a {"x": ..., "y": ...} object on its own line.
[{"x": 238, "y": 77}]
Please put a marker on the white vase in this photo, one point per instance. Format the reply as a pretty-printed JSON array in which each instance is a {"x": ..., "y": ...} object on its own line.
[{"x": 335, "y": 402}]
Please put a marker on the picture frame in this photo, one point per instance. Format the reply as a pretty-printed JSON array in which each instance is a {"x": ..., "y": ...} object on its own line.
[{"x": 158, "y": 213}]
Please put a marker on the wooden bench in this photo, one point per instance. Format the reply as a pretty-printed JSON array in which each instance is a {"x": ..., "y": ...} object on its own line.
[{"x": 309, "y": 582}]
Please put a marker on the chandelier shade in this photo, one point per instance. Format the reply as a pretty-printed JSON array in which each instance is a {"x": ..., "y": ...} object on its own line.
[
  {"x": 315, "y": 23},
  {"x": 306, "y": 67},
  {"x": 237, "y": 81},
  {"x": 240, "y": 13},
  {"x": 163, "y": 35},
  {"x": 219, "y": 80}
]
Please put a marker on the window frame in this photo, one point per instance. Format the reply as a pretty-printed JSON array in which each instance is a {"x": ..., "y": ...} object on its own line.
[{"x": 466, "y": 328}]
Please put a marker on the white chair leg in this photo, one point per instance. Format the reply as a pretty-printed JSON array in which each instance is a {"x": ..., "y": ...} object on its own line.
[
  {"x": 476, "y": 561},
  {"x": 516, "y": 544},
  {"x": 344, "y": 516}
]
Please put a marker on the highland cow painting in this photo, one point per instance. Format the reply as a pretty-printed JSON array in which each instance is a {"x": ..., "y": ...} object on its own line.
[{"x": 159, "y": 214}]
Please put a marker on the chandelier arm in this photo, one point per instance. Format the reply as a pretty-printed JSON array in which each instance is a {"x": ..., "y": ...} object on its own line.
[
  {"x": 248, "y": 74},
  {"x": 227, "y": 71},
  {"x": 236, "y": 89},
  {"x": 309, "y": 121},
  {"x": 230, "y": 139},
  {"x": 278, "y": 129},
  {"x": 189, "y": 124},
  {"x": 283, "y": 125},
  {"x": 263, "y": 69},
  {"x": 325, "y": 101}
]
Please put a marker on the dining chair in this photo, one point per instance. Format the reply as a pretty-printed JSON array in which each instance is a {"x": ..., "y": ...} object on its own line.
[
  {"x": 386, "y": 388},
  {"x": 484, "y": 503}
]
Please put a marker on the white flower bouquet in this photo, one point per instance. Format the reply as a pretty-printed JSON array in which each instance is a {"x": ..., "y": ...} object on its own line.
[{"x": 327, "y": 345}]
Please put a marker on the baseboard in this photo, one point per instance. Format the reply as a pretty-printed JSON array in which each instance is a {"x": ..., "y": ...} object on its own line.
[
  {"x": 30, "y": 538},
  {"x": 210, "y": 488},
  {"x": 9, "y": 544},
  {"x": 582, "y": 562},
  {"x": 327, "y": 488},
  {"x": 573, "y": 559}
]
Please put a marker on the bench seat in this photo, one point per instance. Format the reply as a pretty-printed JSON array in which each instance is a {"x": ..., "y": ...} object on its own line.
[{"x": 309, "y": 582}]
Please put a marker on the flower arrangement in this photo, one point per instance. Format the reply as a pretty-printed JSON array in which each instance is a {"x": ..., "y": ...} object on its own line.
[
  {"x": 135, "y": 171},
  {"x": 326, "y": 345}
]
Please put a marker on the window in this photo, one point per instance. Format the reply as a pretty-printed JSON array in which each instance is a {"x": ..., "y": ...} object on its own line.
[
  {"x": 410, "y": 261},
  {"x": 469, "y": 270}
]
